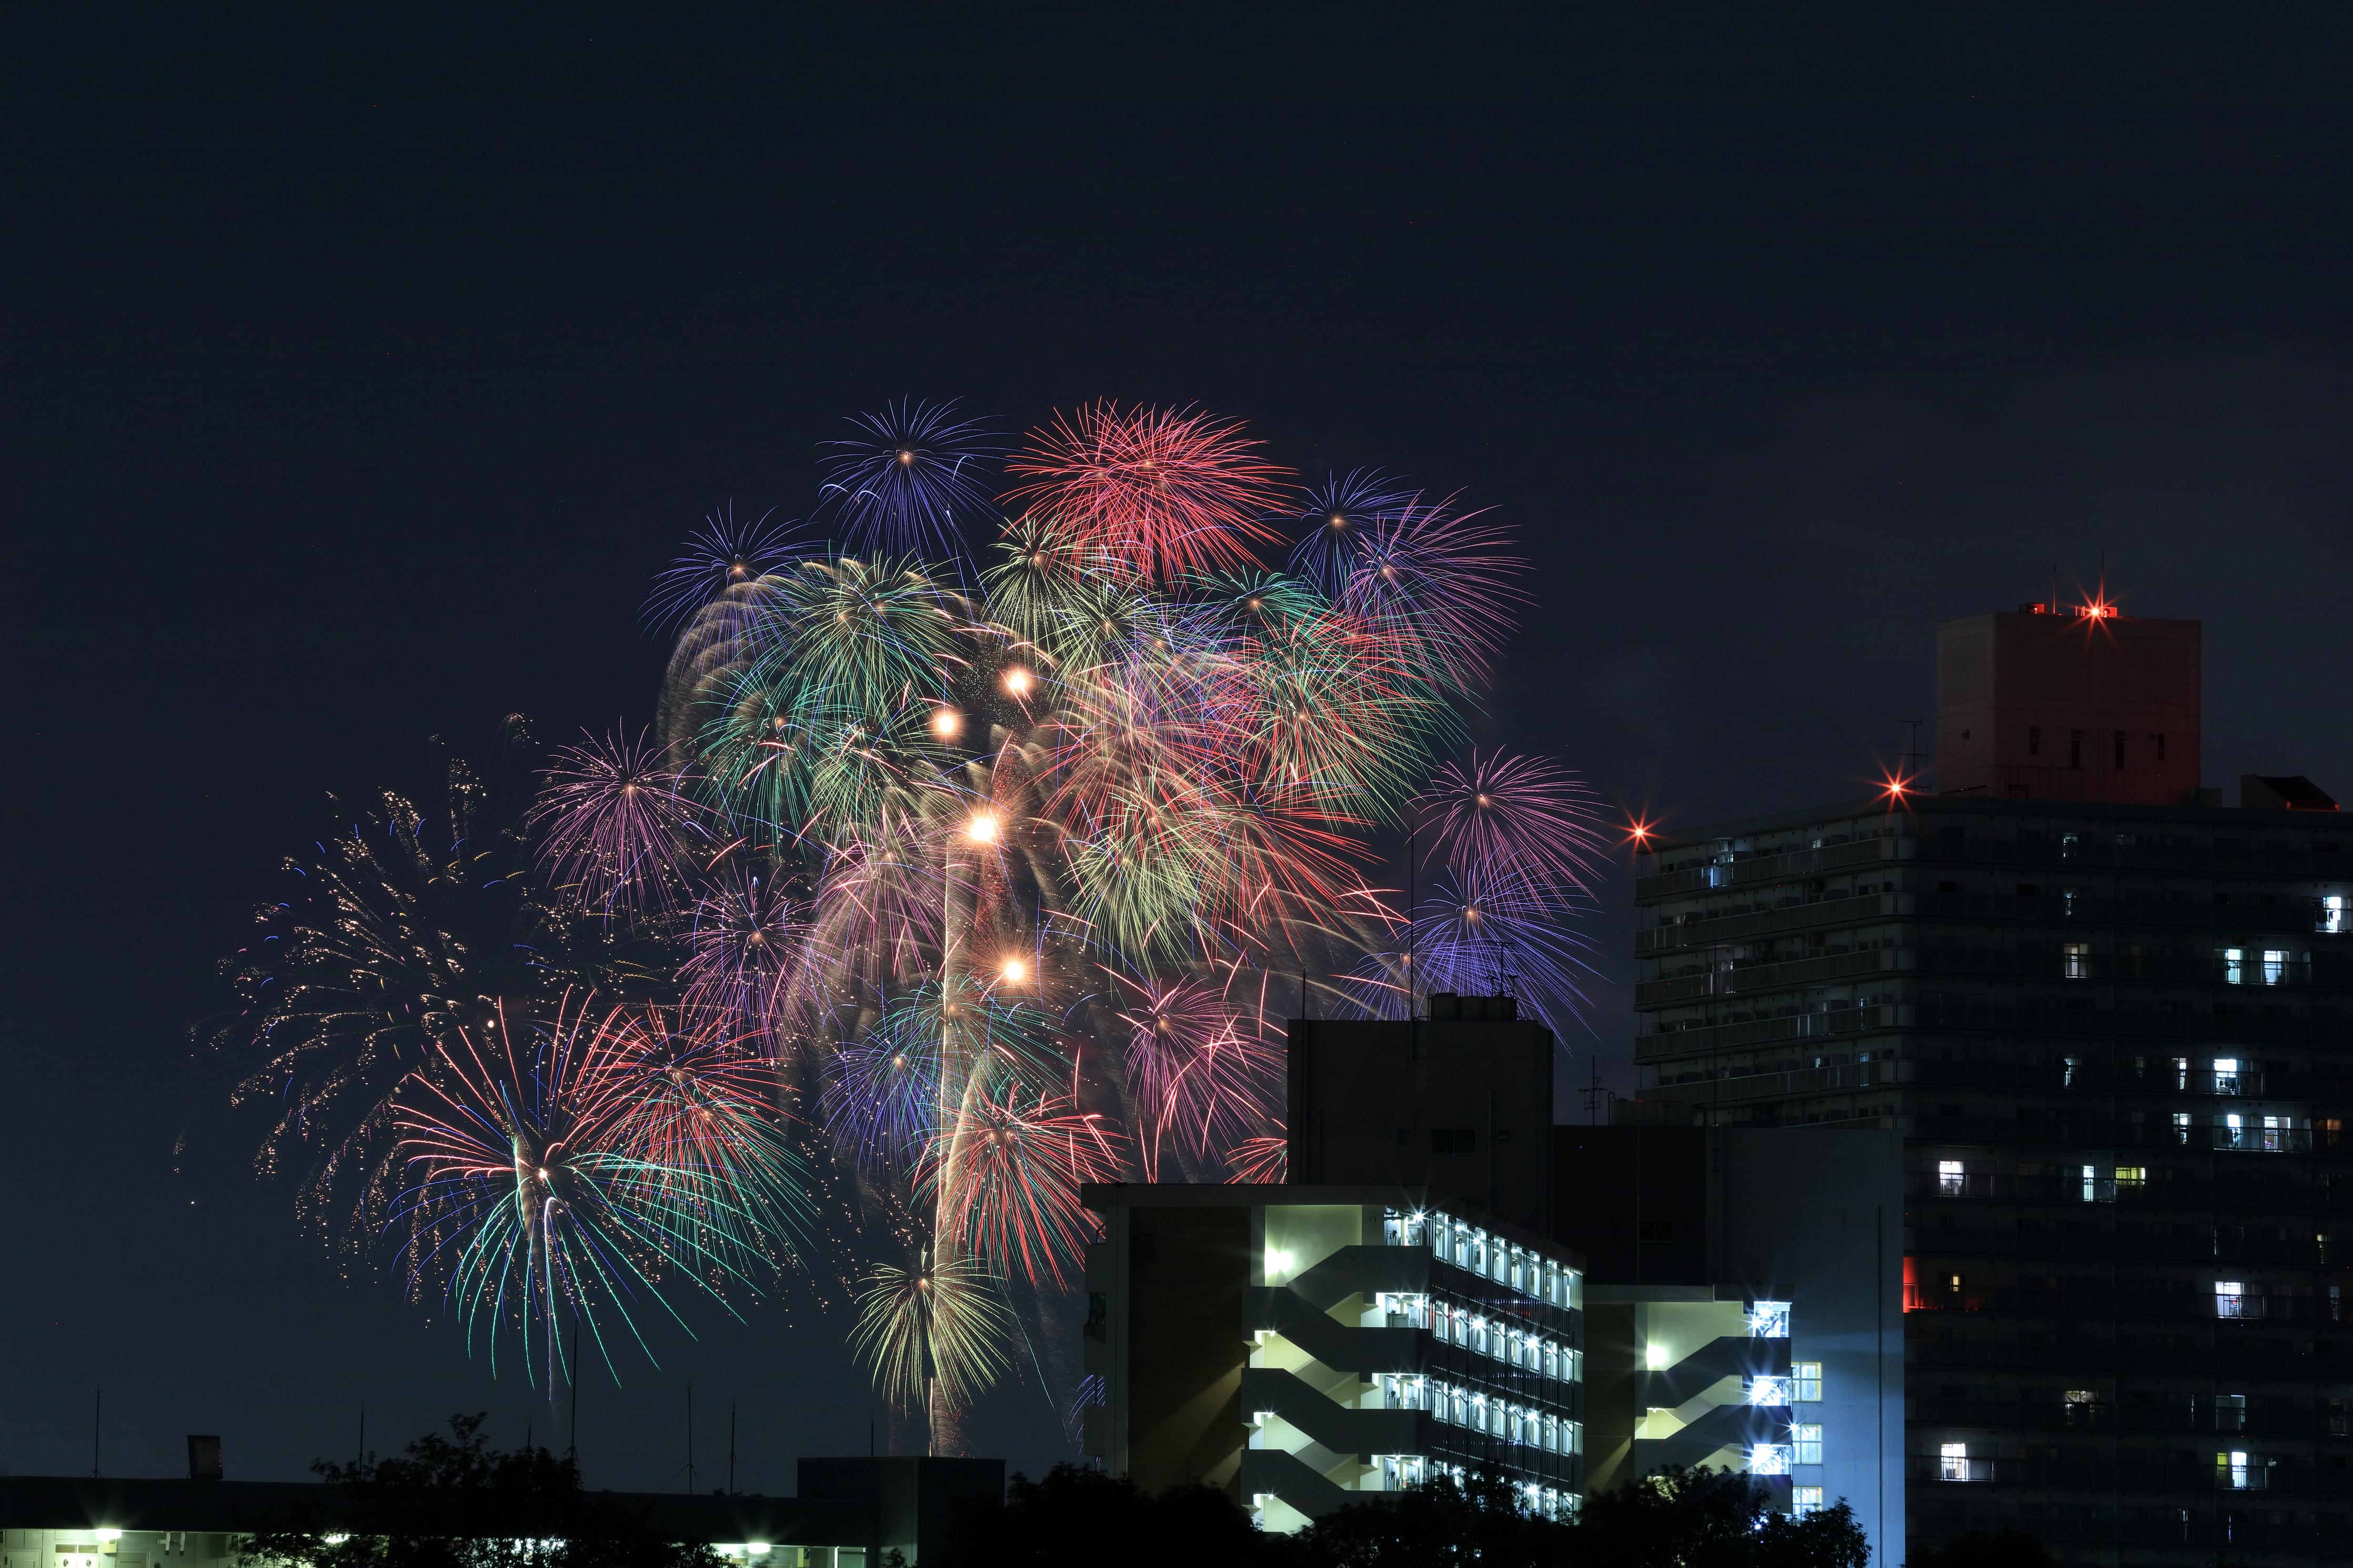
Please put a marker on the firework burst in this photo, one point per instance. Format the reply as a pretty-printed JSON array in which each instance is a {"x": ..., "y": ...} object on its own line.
[
  {"x": 529, "y": 1201},
  {"x": 1151, "y": 493},
  {"x": 615, "y": 826},
  {"x": 936, "y": 892},
  {"x": 912, "y": 479},
  {"x": 721, "y": 555}
]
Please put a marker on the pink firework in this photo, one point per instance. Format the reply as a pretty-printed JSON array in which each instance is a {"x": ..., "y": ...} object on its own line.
[
  {"x": 748, "y": 939},
  {"x": 1260, "y": 1160},
  {"x": 1200, "y": 1074},
  {"x": 1149, "y": 493},
  {"x": 1504, "y": 818},
  {"x": 1008, "y": 1172},
  {"x": 614, "y": 824}
]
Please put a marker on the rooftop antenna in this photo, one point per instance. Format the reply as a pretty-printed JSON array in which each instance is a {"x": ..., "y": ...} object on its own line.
[
  {"x": 731, "y": 1447},
  {"x": 690, "y": 1438},
  {"x": 1912, "y": 752},
  {"x": 97, "y": 1423},
  {"x": 1597, "y": 1093}
]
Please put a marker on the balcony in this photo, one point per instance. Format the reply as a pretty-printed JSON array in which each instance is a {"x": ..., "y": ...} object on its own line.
[
  {"x": 1766, "y": 868},
  {"x": 1707, "y": 930},
  {"x": 1837, "y": 1021}
]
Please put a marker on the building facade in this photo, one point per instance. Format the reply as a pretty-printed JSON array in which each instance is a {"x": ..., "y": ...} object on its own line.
[
  {"x": 1744, "y": 1309},
  {"x": 2114, "y": 1038},
  {"x": 1302, "y": 1347}
]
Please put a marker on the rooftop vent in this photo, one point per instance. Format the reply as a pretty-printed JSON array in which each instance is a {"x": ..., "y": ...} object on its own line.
[{"x": 2293, "y": 792}]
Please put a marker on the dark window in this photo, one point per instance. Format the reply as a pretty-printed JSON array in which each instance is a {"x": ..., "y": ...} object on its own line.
[
  {"x": 2120, "y": 748},
  {"x": 1658, "y": 1230},
  {"x": 2034, "y": 740},
  {"x": 1454, "y": 1140},
  {"x": 2075, "y": 748}
]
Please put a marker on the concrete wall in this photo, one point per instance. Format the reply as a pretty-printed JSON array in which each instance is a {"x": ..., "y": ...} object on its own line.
[
  {"x": 1815, "y": 1216},
  {"x": 1386, "y": 1102}
]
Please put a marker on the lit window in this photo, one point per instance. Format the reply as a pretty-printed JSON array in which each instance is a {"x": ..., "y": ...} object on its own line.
[
  {"x": 1768, "y": 1320},
  {"x": 1806, "y": 1444},
  {"x": 2234, "y": 966},
  {"x": 2230, "y": 1132},
  {"x": 2091, "y": 1184},
  {"x": 2132, "y": 1176},
  {"x": 1804, "y": 1500},
  {"x": 2075, "y": 959},
  {"x": 2181, "y": 1072},
  {"x": 1954, "y": 1461},
  {"x": 2274, "y": 965},
  {"x": 1806, "y": 1382},
  {"x": 2181, "y": 1127},
  {"x": 1768, "y": 1458},
  {"x": 2232, "y": 1470},
  {"x": 2226, "y": 1075},
  {"x": 2230, "y": 1298},
  {"x": 2332, "y": 915},
  {"x": 1950, "y": 1177}
]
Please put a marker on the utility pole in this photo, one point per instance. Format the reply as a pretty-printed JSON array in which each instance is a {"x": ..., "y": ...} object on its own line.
[
  {"x": 690, "y": 1438},
  {"x": 97, "y": 1423},
  {"x": 731, "y": 1447}
]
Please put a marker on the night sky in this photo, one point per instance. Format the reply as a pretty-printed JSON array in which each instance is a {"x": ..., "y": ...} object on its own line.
[{"x": 356, "y": 382}]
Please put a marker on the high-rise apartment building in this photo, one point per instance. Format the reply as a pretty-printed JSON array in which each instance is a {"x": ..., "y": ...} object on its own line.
[{"x": 2112, "y": 1030}]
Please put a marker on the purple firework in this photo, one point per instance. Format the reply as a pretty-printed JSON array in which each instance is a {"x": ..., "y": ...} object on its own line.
[
  {"x": 614, "y": 824},
  {"x": 747, "y": 937},
  {"x": 909, "y": 481},
  {"x": 1500, "y": 817},
  {"x": 1338, "y": 515},
  {"x": 719, "y": 555},
  {"x": 1443, "y": 584}
]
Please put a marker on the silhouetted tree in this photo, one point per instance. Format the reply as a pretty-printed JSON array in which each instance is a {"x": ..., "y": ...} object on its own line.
[
  {"x": 1442, "y": 1524},
  {"x": 455, "y": 1502},
  {"x": 1073, "y": 1515},
  {"x": 1711, "y": 1518}
]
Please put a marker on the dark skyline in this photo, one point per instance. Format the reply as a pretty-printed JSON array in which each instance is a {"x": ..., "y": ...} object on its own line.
[{"x": 359, "y": 384}]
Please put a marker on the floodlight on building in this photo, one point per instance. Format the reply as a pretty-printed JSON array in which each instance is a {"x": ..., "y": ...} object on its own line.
[
  {"x": 1654, "y": 1356},
  {"x": 107, "y": 1533}
]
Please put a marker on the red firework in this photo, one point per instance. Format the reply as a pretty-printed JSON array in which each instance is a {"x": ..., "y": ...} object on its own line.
[
  {"x": 1152, "y": 492},
  {"x": 1011, "y": 1168}
]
